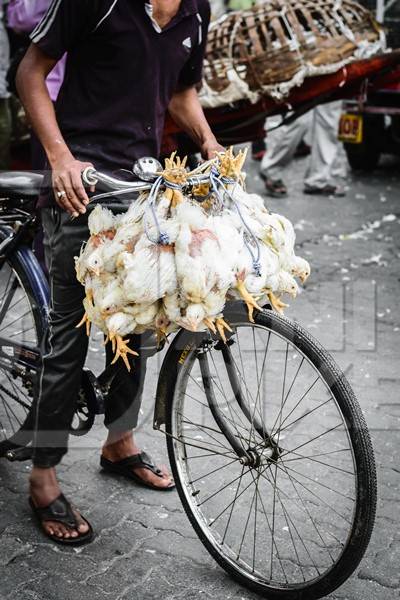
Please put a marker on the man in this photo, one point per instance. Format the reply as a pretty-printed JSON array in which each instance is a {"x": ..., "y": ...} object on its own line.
[
  {"x": 5, "y": 116},
  {"x": 128, "y": 61},
  {"x": 322, "y": 124}
]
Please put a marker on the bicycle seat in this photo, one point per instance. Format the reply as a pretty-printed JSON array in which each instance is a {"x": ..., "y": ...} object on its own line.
[{"x": 20, "y": 184}]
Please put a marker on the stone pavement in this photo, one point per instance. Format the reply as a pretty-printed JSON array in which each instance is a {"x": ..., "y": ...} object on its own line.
[{"x": 145, "y": 547}]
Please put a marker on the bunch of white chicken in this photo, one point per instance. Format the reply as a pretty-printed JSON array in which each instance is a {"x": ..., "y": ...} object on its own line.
[{"x": 171, "y": 261}]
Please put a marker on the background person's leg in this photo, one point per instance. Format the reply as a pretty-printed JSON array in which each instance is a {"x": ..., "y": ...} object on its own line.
[
  {"x": 282, "y": 145},
  {"x": 324, "y": 147}
]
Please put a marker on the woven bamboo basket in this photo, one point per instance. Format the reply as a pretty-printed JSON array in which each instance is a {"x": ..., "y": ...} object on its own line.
[{"x": 275, "y": 41}]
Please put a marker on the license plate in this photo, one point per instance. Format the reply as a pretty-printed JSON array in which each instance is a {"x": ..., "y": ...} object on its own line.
[{"x": 351, "y": 129}]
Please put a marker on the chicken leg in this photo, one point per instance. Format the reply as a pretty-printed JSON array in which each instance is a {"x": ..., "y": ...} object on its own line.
[
  {"x": 248, "y": 298},
  {"x": 276, "y": 303},
  {"x": 161, "y": 335},
  {"x": 122, "y": 350},
  {"x": 221, "y": 325},
  {"x": 209, "y": 323},
  {"x": 85, "y": 321}
]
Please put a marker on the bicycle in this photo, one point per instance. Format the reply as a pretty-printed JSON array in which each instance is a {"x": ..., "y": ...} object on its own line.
[{"x": 268, "y": 446}]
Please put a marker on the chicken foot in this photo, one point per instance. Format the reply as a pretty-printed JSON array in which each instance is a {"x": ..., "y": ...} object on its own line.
[
  {"x": 209, "y": 323},
  {"x": 251, "y": 303},
  {"x": 122, "y": 350},
  {"x": 221, "y": 325},
  {"x": 85, "y": 321},
  {"x": 277, "y": 303}
]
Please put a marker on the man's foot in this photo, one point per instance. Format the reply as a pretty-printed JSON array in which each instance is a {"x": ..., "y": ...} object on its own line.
[
  {"x": 327, "y": 190},
  {"x": 275, "y": 187},
  {"x": 44, "y": 489},
  {"x": 122, "y": 446}
]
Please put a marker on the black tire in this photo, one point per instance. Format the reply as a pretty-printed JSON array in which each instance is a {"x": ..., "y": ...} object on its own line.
[
  {"x": 17, "y": 431},
  {"x": 365, "y": 156},
  {"x": 174, "y": 378}
]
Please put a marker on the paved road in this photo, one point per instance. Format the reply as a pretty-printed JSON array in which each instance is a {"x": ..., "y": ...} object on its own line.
[{"x": 145, "y": 547}]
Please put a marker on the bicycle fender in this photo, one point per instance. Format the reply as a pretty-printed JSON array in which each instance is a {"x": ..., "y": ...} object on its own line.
[
  {"x": 179, "y": 349},
  {"x": 34, "y": 274}
]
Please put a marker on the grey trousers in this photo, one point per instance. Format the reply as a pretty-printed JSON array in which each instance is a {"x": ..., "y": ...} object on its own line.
[
  {"x": 65, "y": 348},
  {"x": 321, "y": 127}
]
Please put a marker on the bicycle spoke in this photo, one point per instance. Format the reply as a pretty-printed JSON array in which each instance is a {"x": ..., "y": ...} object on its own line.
[
  {"x": 320, "y": 462},
  {"x": 4, "y": 305},
  {"x": 319, "y": 498},
  {"x": 321, "y": 484},
  {"x": 247, "y": 524},
  {"x": 317, "y": 437},
  {"x": 288, "y": 518},
  {"x": 270, "y": 531},
  {"x": 206, "y": 454},
  {"x": 308, "y": 513},
  {"x": 19, "y": 318},
  {"x": 288, "y": 392},
  {"x": 212, "y": 472},
  {"x": 226, "y": 400},
  {"x": 204, "y": 428},
  {"x": 301, "y": 400},
  {"x": 232, "y": 505}
]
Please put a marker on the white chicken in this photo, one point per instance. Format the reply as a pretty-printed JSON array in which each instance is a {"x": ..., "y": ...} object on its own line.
[
  {"x": 150, "y": 272},
  {"x": 169, "y": 262}
]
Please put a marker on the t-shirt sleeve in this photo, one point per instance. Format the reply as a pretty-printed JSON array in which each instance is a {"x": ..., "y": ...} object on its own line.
[
  {"x": 192, "y": 72},
  {"x": 63, "y": 25}
]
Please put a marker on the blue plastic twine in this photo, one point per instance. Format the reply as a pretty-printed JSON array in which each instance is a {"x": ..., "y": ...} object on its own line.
[
  {"x": 218, "y": 181},
  {"x": 162, "y": 236}
]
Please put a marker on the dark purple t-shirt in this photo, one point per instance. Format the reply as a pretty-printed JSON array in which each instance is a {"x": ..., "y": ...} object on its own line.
[{"x": 121, "y": 73}]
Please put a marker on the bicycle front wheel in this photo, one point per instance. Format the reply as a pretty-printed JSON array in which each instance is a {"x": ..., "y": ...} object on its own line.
[{"x": 289, "y": 514}]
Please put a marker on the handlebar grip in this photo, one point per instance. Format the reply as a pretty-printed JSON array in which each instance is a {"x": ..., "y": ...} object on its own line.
[{"x": 89, "y": 176}]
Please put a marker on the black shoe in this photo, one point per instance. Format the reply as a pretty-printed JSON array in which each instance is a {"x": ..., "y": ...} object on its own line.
[{"x": 327, "y": 190}]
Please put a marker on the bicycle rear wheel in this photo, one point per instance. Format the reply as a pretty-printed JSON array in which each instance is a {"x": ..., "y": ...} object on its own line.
[
  {"x": 292, "y": 518},
  {"x": 22, "y": 326}
]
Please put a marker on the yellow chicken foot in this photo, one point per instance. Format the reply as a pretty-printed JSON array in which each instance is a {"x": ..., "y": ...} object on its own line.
[
  {"x": 85, "y": 321},
  {"x": 276, "y": 303},
  {"x": 109, "y": 338},
  {"x": 221, "y": 325},
  {"x": 248, "y": 298},
  {"x": 177, "y": 198},
  {"x": 122, "y": 350},
  {"x": 161, "y": 335},
  {"x": 209, "y": 323}
]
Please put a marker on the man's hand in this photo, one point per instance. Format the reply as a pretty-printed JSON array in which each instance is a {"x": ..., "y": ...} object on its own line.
[
  {"x": 210, "y": 148},
  {"x": 68, "y": 188}
]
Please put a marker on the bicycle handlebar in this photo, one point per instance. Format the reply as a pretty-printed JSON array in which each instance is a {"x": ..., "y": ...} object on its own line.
[{"x": 91, "y": 177}]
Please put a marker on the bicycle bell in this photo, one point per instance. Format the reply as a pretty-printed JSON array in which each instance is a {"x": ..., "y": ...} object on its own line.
[{"x": 146, "y": 168}]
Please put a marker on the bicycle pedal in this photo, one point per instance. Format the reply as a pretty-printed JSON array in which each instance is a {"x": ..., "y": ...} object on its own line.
[{"x": 19, "y": 454}]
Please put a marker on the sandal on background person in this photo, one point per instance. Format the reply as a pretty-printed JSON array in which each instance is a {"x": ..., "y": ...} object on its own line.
[
  {"x": 275, "y": 187},
  {"x": 326, "y": 190}
]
